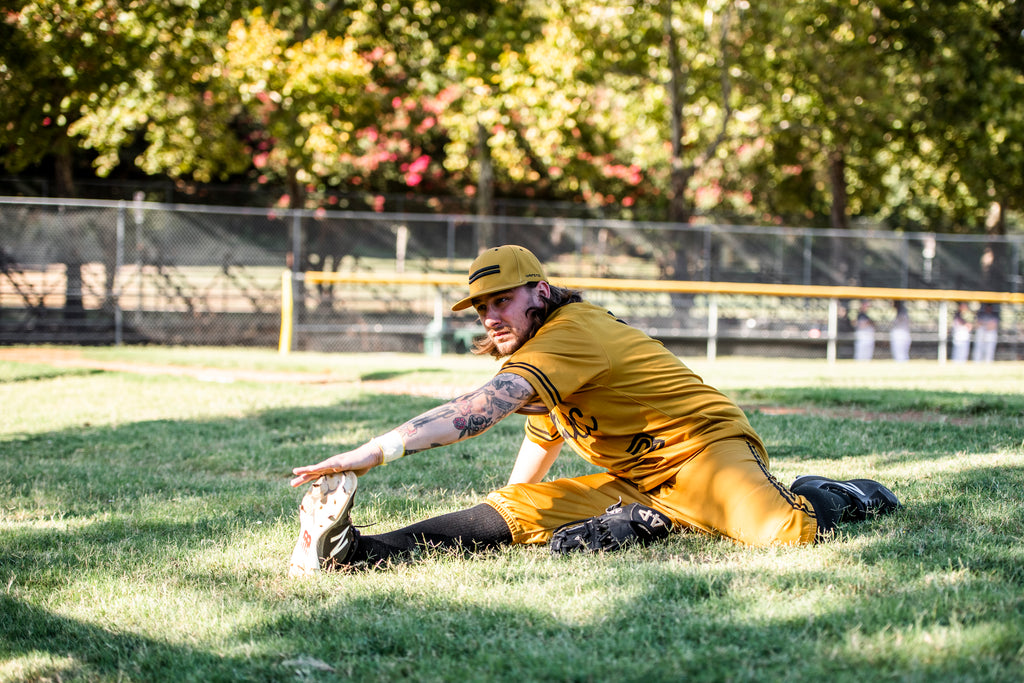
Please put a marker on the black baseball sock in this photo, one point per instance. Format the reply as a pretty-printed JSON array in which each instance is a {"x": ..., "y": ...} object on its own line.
[
  {"x": 477, "y": 528},
  {"x": 829, "y": 507}
]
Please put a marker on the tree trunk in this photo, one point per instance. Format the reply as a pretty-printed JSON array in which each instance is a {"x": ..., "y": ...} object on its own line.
[
  {"x": 296, "y": 200},
  {"x": 839, "y": 258},
  {"x": 837, "y": 181},
  {"x": 64, "y": 186},
  {"x": 679, "y": 174},
  {"x": 63, "y": 171},
  {"x": 677, "y": 260},
  {"x": 484, "y": 190},
  {"x": 296, "y": 191}
]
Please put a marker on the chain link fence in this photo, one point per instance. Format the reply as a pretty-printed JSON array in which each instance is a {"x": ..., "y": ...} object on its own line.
[{"x": 130, "y": 272}]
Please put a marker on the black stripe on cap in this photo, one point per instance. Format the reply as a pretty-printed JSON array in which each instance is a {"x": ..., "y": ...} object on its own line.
[{"x": 484, "y": 272}]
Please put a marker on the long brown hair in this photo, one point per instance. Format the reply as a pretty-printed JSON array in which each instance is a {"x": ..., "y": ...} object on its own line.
[{"x": 558, "y": 297}]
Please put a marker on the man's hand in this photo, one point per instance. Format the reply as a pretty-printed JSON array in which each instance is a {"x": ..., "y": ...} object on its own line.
[{"x": 359, "y": 461}]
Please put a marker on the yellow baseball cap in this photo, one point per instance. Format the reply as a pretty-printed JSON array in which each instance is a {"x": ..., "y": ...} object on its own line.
[{"x": 499, "y": 269}]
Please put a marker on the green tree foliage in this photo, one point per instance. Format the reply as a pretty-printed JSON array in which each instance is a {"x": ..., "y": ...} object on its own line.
[
  {"x": 349, "y": 96},
  {"x": 830, "y": 81},
  {"x": 967, "y": 127},
  {"x": 301, "y": 101},
  {"x": 61, "y": 61},
  {"x": 902, "y": 111}
]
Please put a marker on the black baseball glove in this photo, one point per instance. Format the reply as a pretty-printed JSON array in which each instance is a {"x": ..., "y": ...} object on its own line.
[{"x": 620, "y": 526}]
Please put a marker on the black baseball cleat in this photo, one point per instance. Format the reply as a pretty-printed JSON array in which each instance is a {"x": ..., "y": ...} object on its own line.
[
  {"x": 867, "y": 497},
  {"x": 326, "y": 536}
]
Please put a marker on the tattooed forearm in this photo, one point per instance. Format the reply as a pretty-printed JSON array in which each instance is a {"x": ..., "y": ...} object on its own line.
[{"x": 468, "y": 415}]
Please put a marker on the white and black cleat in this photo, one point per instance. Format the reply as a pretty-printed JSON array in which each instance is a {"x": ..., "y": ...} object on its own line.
[{"x": 325, "y": 531}]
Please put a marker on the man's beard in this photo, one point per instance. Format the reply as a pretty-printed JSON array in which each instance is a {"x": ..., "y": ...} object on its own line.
[{"x": 535, "y": 321}]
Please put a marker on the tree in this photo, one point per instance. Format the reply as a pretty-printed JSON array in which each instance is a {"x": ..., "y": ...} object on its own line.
[
  {"x": 59, "y": 60},
  {"x": 904, "y": 112},
  {"x": 973, "y": 116},
  {"x": 970, "y": 114},
  {"x": 832, "y": 82},
  {"x": 670, "y": 69}
]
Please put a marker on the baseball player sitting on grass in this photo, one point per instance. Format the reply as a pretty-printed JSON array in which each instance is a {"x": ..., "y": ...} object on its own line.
[{"x": 675, "y": 452}]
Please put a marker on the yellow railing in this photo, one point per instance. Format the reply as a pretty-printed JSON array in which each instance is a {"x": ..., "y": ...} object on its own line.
[{"x": 833, "y": 293}]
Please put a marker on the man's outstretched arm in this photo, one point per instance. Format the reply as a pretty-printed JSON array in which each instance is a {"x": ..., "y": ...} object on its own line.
[{"x": 461, "y": 418}]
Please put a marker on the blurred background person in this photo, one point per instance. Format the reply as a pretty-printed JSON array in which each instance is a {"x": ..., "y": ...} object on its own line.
[
  {"x": 961, "y": 334},
  {"x": 986, "y": 333},
  {"x": 864, "y": 339},
  {"x": 899, "y": 333}
]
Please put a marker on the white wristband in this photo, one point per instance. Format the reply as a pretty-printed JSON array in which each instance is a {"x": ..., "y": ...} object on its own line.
[{"x": 391, "y": 445}]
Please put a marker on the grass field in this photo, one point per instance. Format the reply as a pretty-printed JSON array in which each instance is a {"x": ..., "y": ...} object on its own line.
[{"x": 146, "y": 524}]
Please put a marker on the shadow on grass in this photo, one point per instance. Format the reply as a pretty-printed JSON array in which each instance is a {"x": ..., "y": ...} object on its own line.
[
  {"x": 214, "y": 477},
  {"x": 30, "y": 372},
  {"x": 807, "y": 436},
  {"x": 947, "y": 403},
  {"x": 128, "y": 543},
  {"x": 971, "y": 518},
  {"x": 417, "y": 637},
  {"x": 97, "y": 653},
  {"x": 669, "y": 621},
  {"x": 392, "y": 374},
  {"x": 672, "y": 621}
]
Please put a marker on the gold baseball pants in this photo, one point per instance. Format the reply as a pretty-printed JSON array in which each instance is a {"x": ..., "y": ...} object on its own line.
[{"x": 726, "y": 490}]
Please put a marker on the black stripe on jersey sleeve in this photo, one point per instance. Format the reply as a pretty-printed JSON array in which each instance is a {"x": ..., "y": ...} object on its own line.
[
  {"x": 534, "y": 371},
  {"x": 541, "y": 434}
]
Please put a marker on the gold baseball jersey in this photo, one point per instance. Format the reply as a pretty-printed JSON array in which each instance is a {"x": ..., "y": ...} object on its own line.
[{"x": 620, "y": 398}]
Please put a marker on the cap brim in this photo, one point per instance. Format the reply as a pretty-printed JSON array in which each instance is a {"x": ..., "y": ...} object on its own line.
[
  {"x": 468, "y": 301},
  {"x": 464, "y": 304}
]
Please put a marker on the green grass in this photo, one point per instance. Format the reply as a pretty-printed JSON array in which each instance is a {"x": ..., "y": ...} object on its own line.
[{"x": 146, "y": 523}]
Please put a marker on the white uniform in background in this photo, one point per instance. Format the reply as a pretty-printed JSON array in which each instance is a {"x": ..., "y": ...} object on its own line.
[
  {"x": 987, "y": 334},
  {"x": 899, "y": 335},
  {"x": 961, "y": 338},
  {"x": 864, "y": 339}
]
